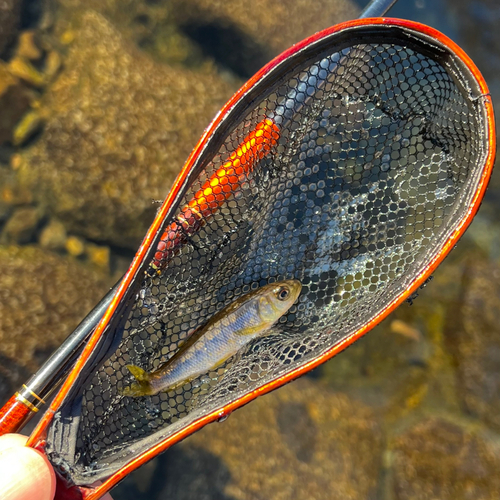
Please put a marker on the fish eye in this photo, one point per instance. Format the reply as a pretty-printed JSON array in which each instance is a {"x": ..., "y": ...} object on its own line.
[{"x": 283, "y": 293}]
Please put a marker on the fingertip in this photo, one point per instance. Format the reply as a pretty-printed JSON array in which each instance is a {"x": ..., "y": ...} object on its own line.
[
  {"x": 27, "y": 474},
  {"x": 48, "y": 471},
  {"x": 12, "y": 440}
]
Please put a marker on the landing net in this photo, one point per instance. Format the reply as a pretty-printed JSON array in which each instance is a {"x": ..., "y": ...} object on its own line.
[{"x": 348, "y": 169}]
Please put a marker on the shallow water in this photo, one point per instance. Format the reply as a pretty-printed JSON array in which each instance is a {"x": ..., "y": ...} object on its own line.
[{"x": 411, "y": 411}]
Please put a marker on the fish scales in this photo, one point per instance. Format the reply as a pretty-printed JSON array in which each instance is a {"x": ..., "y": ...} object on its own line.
[{"x": 221, "y": 340}]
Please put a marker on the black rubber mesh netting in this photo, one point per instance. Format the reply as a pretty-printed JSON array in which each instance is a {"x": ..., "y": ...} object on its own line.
[{"x": 381, "y": 147}]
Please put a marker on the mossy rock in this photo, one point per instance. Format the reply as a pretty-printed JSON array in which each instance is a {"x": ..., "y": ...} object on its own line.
[{"x": 118, "y": 129}]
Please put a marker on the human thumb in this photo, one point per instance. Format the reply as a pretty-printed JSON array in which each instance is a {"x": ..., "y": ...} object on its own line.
[{"x": 25, "y": 473}]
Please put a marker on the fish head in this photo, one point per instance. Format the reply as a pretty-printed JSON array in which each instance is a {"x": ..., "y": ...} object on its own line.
[{"x": 276, "y": 299}]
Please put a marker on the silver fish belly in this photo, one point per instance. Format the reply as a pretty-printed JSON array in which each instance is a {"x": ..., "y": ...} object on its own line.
[{"x": 221, "y": 341}]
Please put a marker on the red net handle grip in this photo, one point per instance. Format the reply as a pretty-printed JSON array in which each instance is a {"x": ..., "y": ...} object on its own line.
[{"x": 13, "y": 415}]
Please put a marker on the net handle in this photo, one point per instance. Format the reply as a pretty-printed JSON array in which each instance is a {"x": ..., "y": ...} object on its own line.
[{"x": 377, "y": 8}]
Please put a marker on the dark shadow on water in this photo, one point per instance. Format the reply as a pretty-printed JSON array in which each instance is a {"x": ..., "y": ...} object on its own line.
[
  {"x": 229, "y": 46},
  {"x": 31, "y": 13},
  {"x": 181, "y": 473}
]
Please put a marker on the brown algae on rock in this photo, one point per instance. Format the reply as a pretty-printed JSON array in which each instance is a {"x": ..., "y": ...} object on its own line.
[
  {"x": 119, "y": 127},
  {"x": 52, "y": 295}
]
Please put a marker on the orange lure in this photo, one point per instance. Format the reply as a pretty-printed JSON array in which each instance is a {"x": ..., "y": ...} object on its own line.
[{"x": 226, "y": 181}]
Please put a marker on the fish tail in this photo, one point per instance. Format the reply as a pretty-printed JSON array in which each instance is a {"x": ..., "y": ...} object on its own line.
[{"x": 142, "y": 387}]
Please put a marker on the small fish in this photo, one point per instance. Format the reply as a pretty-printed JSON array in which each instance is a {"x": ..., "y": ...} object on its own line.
[{"x": 248, "y": 317}]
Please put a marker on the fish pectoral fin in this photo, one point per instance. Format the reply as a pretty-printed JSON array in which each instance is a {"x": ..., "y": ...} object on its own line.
[{"x": 250, "y": 331}]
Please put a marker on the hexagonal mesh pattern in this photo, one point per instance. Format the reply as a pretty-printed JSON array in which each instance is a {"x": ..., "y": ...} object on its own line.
[{"x": 367, "y": 158}]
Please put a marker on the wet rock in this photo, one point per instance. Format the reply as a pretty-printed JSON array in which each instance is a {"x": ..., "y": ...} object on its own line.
[
  {"x": 75, "y": 246},
  {"x": 10, "y": 11},
  {"x": 439, "y": 460},
  {"x": 15, "y": 99},
  {"x": 29, "y": 125},
  {"x": 23, "y": 69},
  {"x": 119, "y": 127},
  {"x": 189, "y": 31},
  {"x": 300, "y": 442},
  {"x": 21, "y": 226},
  {"x": 473, "y": 336},
  {"x": 98, "y": 255},
  {"x": 53, "y": 236},
  {"x": 43, "y": 296},
  {"x": 28, "y": 47}
]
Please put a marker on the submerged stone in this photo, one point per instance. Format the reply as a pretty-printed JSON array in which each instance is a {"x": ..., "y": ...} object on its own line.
[
  {"x": 118, "y": 129},
  {"x": 43, "y": 296},
  {"x": 238, "y": 36},
  {"x": 274, "y": 26},
  {"x": 15, "y": 99},
  {"x": 10, "y": 11},
  {"x": 473, "y": 336},
  {"x": 437, "y": 459},
  {"x": 300, "y": 442},
  {"x": 53, "y": 236},
  {"x": 21, "y": 226}
]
